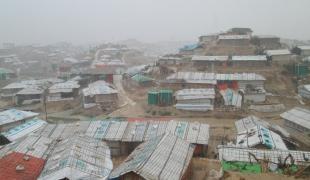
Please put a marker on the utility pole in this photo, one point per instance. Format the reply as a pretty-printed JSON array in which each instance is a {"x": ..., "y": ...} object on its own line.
[{"x": 44, "y": 102}]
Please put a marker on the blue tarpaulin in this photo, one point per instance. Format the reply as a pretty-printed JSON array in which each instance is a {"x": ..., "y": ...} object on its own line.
[{"x": 189, "y": 47}]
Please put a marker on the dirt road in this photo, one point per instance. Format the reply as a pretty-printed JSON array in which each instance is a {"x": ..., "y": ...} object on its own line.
[
  {"x": 124, "y": 99},
  {"x": 127, "y": 107}
]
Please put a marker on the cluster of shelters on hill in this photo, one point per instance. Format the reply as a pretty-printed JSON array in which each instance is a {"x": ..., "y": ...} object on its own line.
[
  {"x": 235, "y": 41},
  {"x": 203, "y": 66},
  {"x": 107, "y": 61},
  {"x": 27, "y": 91},
  {"x": 201, "y": 91},
  {"x": 58, "y": 91},
  {"x": 254, "y": 60},
  {"x": 238, "y": 47}
]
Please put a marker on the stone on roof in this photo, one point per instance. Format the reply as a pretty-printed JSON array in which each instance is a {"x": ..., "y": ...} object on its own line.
[{"x": 20, "y": 166}]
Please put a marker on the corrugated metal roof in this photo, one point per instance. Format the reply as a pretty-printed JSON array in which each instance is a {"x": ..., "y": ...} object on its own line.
[
  {"x": 267, "y": 108},
  {"x": 27, "y": 83},
  {"x": 260, "y": 135},
  {"x": 203, "y": 135},
  {"x": 249, "y": 58},
  {"x": 232, "y": 37},
  {"x": 62, "y": 131},
  {"x": 278, "y": 52},
  {"x": 181, "y": 129},
  {"x": 155, "y": 128},
  {"x": 201, "y": 77},
  {"x": 78, "y": 157},
  {"x": 164, "y": 157},
  {"x": 15, "y": 85},
  {"x": 210, "y": 58},
  {"x": 193, "y": 132},
  {"x": 227, "y": 153},
  {"x": 107, "y": 62},
  {"x": 99, "y": 87},
  {"x": 304, "y": 47},
  {"x": 195, "y": 99},
  {"x": 240, "y": 77},
  {"x": 67, "y": 86},
  {"x": 298, "y": 116},
  {"x": 139, "y": 131},
  {"x": 194, "y": 77},
  {"x": 31, "y": 90},
  {"x": 116, "y": 130},
  {"x": 37, "y": 146},
  {"x": 23, "y": 129},
  {"x": 94, "y": 128},
  {"x": 184, "y": 94},
  {"x": 136, "y": 131},
  {"x": 14, "y": 115},
  {"x": 247, "y": 123},
  {"x": 195, "y": 106}
]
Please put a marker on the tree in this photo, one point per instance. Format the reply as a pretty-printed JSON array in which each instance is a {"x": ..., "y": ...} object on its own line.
[
  {"x": 255, "y": 41},
  {"x": 296, "y": 50}
]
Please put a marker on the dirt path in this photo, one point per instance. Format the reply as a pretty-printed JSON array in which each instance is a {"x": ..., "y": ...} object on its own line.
[
  {"x": 124, "y": 99},
  {"x": 128, "y": 107}
]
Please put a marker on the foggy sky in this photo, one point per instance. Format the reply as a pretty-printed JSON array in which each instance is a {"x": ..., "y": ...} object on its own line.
[{"x": 89, "y": 21}]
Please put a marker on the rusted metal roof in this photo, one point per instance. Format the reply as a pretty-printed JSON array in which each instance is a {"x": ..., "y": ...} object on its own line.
[{"x": 20, "y": 166}]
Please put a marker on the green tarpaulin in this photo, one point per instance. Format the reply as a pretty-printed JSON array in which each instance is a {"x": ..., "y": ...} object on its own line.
[
  {"x": 140, "y": 78},
  {"x": 243, "y": 167}
]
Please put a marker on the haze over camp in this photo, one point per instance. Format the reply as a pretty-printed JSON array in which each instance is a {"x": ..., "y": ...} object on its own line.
[{"x": 154, "y": 90}]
